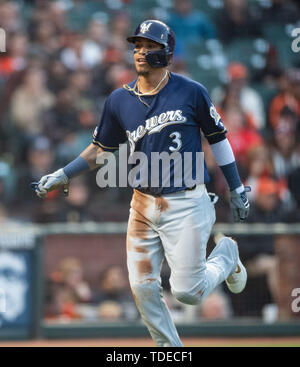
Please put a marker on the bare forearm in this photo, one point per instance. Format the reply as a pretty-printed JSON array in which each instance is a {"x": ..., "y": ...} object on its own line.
[
  {"x": 90, "y": 155},
  {"x": 86, "y": 161}
]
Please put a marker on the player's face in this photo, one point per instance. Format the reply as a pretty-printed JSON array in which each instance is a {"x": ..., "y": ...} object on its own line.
[{"x": 141, "y": 47}]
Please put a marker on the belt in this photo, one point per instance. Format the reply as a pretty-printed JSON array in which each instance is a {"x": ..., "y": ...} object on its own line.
[
  {"x": 148, "y": 192},
  {"x": 186, "y": 189}
]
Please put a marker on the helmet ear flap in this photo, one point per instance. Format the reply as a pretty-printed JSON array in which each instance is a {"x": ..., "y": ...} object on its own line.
[{"x": 158, "y": 58}]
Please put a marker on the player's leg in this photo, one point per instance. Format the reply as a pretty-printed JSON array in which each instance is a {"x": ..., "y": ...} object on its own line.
[
  {"x": 144, "y": 259},
  {"x": 188, "y": 223}
]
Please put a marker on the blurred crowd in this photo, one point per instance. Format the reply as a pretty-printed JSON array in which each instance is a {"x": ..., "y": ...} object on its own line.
[
  {"x": 70, "y": 296},
  {"x": 63, "y": 58}
]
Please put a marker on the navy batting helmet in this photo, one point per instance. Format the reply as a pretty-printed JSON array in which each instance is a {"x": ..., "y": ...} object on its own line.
[{"x": 159, "y": 32}]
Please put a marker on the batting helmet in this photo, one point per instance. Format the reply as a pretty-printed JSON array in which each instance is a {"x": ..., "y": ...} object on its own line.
[{"x": 159, "y": 32}]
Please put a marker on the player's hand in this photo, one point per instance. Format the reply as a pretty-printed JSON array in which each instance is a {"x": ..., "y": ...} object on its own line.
[
  {"x": 51, "y": 182},
  {"x": 239, "y": 204}
]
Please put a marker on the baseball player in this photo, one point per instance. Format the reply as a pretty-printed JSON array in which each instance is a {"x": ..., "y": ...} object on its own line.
[{"x": 160, "y": 112}]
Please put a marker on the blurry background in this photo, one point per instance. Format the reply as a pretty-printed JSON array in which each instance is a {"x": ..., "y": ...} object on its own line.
[{"x": 62, "y": 60}]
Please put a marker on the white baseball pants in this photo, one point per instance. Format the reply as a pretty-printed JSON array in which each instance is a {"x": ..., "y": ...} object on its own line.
[{"x": 178, "y": 227}]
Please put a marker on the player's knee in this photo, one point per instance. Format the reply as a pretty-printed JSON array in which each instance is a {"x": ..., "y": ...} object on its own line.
[
  {"x": 188, "y": 297},
  {"x": 144, "y": 290}
]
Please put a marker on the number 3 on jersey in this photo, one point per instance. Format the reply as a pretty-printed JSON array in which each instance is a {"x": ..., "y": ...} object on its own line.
[{"x": 176, "y": 136}]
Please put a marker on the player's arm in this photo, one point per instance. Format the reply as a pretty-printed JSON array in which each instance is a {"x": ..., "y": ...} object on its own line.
[
  {"x": 107, "y": 137},
  {"x": 86, "y": 161},
  {"x": 215, "y": 133},
  {"x": 90, "y": 155},
  {"x": 224, "y": 157}
]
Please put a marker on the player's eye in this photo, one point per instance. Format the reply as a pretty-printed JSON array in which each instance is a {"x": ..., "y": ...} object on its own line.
[
  {"x": 147, "y": 46},
  {"x": 150, "y": 46},
  {"x": 136, "y": 49}
]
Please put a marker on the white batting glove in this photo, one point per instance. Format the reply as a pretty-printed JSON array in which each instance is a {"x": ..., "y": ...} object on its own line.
[
  {"x": 239, "y": 204},
  {"x": 51, "y": 182}
]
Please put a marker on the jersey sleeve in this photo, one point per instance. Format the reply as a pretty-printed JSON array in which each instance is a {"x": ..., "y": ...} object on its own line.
[
  {"x": 208, "y": 118},
  {"x": 109, "y": 134}
]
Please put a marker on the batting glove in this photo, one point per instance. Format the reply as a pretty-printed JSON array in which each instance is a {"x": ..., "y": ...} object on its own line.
[
  {"x": 239, "y": 204},
  {"x": 51, "y": 182}
]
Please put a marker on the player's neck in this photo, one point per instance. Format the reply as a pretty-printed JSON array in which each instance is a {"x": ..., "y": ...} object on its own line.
[{"x": 154, "y": 81}]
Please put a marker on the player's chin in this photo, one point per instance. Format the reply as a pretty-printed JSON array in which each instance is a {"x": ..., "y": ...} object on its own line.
[{"x": 143, "y": 69}]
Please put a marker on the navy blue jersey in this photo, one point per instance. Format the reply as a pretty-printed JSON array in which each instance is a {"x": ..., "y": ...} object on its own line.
[{"x": 172, "y": 123}]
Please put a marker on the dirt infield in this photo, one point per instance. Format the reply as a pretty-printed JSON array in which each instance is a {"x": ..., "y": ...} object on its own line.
[{"x": 145, "y": 342}]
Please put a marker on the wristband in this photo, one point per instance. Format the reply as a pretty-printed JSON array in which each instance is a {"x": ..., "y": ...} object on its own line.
[
  {"x": 232, "y": 176},
  {"x": 76, "y": 167}
]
